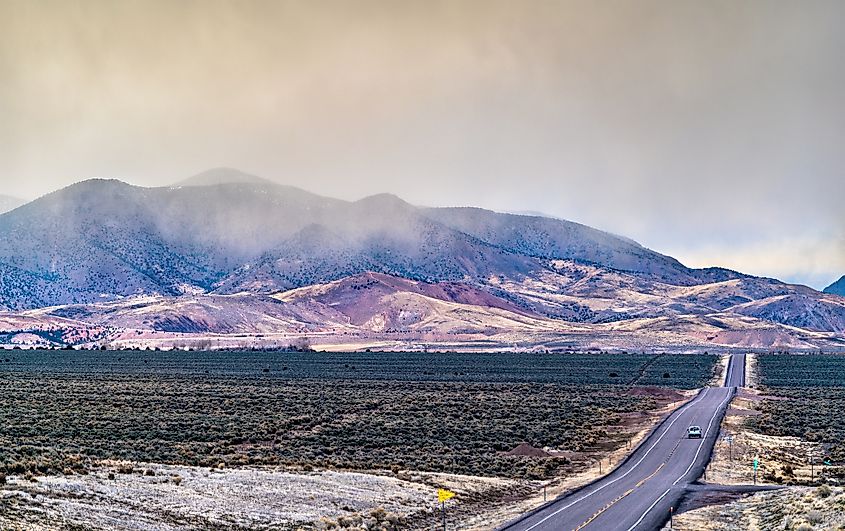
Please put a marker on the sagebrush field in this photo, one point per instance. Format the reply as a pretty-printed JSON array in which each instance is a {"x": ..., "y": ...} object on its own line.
[
  {"x": 815, "y": 399},
  {"x": 435, "y": 412}
]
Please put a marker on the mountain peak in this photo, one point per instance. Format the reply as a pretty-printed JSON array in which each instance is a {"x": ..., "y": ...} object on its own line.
[
  {"x": 837, "y": 288},
  {"x": 95, "y": 183},
  {"x": 383, "y": 200},
  {"x": 222, "y": 175}
]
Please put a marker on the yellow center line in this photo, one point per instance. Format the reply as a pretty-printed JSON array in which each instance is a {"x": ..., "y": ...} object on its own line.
[
  {"x": 612, "y": 503},
  {"x": 651, "y": 475},
  {"x": 603, "y": 509}
]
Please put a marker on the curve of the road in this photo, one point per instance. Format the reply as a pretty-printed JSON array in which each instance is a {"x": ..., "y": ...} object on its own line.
[{"x": 638, "y": 494}]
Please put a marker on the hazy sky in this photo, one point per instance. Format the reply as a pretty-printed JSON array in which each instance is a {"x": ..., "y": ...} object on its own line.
[{"x": 712, "y": 131}]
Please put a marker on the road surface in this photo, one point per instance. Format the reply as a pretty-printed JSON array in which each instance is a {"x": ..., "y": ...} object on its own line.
[{"x": 637, "y": 495}]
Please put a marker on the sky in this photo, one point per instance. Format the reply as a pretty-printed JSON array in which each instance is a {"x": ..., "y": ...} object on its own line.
[{"x": 712, "y": 131}]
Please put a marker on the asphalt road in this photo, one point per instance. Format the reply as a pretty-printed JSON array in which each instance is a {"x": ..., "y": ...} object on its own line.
[{"x": 638, "y": 494}]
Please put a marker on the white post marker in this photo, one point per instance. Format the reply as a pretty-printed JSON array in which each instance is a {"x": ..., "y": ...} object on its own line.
[{"x": 730, "y": 440}]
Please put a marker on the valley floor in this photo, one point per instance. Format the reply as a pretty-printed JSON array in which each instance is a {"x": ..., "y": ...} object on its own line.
[{"x": 253, "y": 440}]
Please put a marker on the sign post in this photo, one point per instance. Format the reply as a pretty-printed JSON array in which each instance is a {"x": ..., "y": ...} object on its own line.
[
  {"x": 444, "y": 495},
  {"x": 730, "y": 440},
  {"x": 756, "y": 466},
  {"x": 812, "y": 470}
]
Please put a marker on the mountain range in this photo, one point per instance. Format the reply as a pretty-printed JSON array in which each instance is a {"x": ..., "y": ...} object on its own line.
[{"x": 230, "y": 259}]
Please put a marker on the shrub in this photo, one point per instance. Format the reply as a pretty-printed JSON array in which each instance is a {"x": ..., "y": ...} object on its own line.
[
  {"x": 814, "y": 516},
  {"x": 388, "y": 414}
]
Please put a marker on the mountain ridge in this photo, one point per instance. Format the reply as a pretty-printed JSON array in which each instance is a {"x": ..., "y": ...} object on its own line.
[
  {"x": 105, "y": 242},
  {"x": 9, "y": 203},
  {"x": 222, "y": 175},
  {"x": 837, "y": 288}
]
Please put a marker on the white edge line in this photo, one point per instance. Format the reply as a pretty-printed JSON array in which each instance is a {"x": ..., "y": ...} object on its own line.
[
  {"x": 638, "y": 522},
  {"x": 609, "y": 483}
]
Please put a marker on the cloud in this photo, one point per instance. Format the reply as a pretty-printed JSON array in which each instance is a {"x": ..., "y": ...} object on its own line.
[{"x": 812, "y": 261}]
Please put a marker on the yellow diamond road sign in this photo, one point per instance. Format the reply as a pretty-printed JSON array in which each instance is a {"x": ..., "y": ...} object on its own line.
[{"x": 443, "y": 495}]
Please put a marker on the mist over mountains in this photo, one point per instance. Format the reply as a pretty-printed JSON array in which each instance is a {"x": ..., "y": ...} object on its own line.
[{"x": 103, "y": 259}]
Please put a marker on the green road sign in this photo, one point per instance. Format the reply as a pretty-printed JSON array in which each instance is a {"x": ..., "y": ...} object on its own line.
[{"x": 756, "y": 463}]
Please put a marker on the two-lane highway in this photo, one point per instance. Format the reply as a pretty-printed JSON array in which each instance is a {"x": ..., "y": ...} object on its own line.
[
  {"x": 735, "y": 374},
  {"x": 638, "y": 494}
]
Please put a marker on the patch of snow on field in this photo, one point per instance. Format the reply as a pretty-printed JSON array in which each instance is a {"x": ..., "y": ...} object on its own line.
[{"x": 231, "y": 498}]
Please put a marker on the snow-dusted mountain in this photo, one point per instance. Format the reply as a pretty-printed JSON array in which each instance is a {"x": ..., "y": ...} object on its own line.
[
  {"x": 230, "y": 253},
  {"x": 99, "y": 239}
]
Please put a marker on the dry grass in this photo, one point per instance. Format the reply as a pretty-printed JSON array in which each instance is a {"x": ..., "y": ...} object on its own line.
[
  {"x": 795, "y": 508},
  {"x": 752, "y": 372},
  {"x": 781, "y": 459}
]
